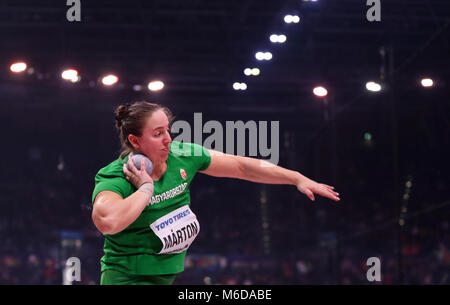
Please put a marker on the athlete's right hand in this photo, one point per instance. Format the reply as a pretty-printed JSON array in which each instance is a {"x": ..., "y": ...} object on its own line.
[{"x": 135, "y": 176}]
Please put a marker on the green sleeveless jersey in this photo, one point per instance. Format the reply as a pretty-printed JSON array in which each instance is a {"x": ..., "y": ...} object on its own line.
[{"x": 156, "y": 242}]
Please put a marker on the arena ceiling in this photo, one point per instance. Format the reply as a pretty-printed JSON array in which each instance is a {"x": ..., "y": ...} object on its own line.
[{"x": 200, "y": 48}]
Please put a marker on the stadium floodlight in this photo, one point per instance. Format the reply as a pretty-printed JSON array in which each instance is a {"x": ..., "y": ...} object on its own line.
[
  {"x": 263, "y": 56},
  {"x": 70, "y": 75},
  {"x": 252, "y": 71},
  {"x": 373, "y": 86},
  {"x": 291, "y": 19},
  {"x": 155, "y": 85},
  {"x": 282, "y": 38},
  {"x": 255, "y": 71},
  {"x": 259, "y": 55},
  {"x": 239, "y": 86},
  {"x": 320, "y": 91},
  {"x": 274, "y": 38},
  {"x": 288, "y": 18},
  {"x": 427, "y": 82},
  {"x": 110, "y": 80},
  {"x": 18, "y": 67}
]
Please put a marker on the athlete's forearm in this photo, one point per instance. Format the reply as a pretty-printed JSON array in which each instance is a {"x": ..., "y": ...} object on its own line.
[{"x": 264, "y": 172}]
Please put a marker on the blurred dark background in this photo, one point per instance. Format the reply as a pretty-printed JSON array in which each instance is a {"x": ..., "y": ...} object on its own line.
[{"x": 387, "y": 152}]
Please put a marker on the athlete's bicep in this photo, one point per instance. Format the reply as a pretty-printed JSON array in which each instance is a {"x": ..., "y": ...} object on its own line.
[
  {"x": 223, "y": 165},
  {"x": 102, "y": 202}
]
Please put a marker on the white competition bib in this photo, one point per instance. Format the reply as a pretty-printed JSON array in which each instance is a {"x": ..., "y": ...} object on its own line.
[{"x": 176, "y": 230}]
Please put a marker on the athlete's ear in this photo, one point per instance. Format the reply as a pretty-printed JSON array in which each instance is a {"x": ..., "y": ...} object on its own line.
[{"x": 134, "y": 140}]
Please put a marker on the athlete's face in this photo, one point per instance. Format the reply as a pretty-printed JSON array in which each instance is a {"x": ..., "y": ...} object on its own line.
[{"x": 155, "y": 139}]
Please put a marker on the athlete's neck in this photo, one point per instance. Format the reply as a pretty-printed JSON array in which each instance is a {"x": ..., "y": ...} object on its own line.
[{"x": 159, "y": 170}]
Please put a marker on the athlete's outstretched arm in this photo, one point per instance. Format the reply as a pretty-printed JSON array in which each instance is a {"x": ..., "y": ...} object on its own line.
[{"x": 251, "y": 169}]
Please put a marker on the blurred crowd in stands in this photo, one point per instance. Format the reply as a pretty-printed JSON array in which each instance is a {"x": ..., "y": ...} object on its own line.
[{"x": 287, "y": 240}]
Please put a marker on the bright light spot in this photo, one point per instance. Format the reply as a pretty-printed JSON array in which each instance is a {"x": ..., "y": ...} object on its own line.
[
  {"x": 372, "y": 86},
  {"x": 252, "y": 71},
  {"x": 155, "y": 85},
  {"x": 259, "y": 56},
  {"x": 239, "y": 86},
  {"x": 70, "y": 74},
  {"x": 76, "y": 79},
  {"x": 255, "y": 71},
  {"x": 295, "y": 19},
  {"x": 427, "y": 82},
  {"x": 267, "y": 56},
  {"x": 277, "y": 38},
  {"x": 288, "y": 18},
  {"x": 367, "y": 136},
  {"x": 109, "y": 80},
  {"x": 18, "y": 67},
  {"x": 263, "y": 56},
  {"x": 320, "y": 91}
]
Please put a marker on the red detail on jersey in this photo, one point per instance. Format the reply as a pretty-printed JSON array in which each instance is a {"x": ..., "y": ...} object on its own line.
[{"x": 183, "y": 174}]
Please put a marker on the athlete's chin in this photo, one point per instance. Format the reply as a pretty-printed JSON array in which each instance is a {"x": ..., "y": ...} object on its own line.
[{"x": 164, "y": 156}]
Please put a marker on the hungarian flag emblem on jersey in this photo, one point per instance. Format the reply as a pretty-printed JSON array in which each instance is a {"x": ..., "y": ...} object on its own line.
[{"x": 183, "y": 174}]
